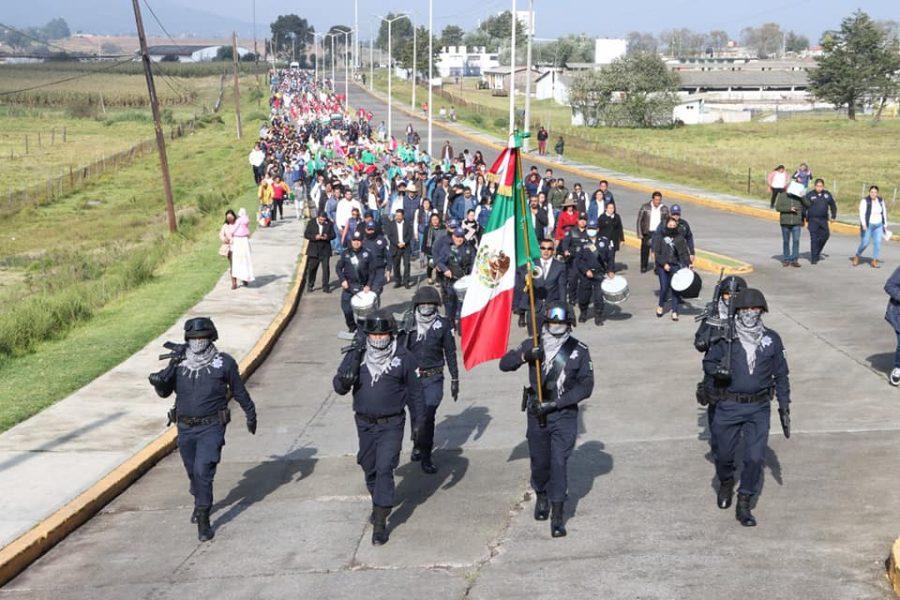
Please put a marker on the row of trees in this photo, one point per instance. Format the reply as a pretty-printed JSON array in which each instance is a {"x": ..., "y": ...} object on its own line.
[
  {"x": 767, "y": 40},
  {"x": 32, "y": 38}
]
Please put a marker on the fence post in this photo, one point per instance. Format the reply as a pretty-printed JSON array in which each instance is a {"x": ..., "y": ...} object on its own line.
[
  {"x": 64, "y": 135},
  {"x": 39, "y": 139},
  {"x": 53, "y": 136},
  {"x": 748, "y": 181},
  {"x": 26, "y": 144},
  {"x": 71, "y": 178}
]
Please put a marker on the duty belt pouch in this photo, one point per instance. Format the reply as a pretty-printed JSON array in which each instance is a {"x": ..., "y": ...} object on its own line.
[
  {"x": 527, "y": 394},
  {"x": 224, "y": 416},
  {"x": 172, "y": 416}
]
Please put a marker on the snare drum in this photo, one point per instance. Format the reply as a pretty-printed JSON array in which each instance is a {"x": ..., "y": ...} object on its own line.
[
  {"x": 461, "y": 286},
  {"x": 615, "y": 290},
  {"x": 687, "y": 283},
  {"x": 363, "y": 304}
]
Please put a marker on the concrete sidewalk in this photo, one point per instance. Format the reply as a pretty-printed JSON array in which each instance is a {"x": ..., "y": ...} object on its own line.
[{"x": 51, "y": 458}]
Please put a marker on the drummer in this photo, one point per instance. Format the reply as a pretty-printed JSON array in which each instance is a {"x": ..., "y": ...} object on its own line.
[
  {"x": 454, "y": 262},
  {"x": 355, "y": 272},
  {"x": 376, "y": 245},
  {"x": 593, "y": 262},
  {"x": 672, "y": 253}
]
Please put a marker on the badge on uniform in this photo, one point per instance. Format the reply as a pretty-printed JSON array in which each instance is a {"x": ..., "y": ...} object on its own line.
[
  {"x": 354, "y": 261},
  {"x": 437, "y": 325},
  {"x": 574, "y": 354},
  {"x": 396, "y": 362},
  {"x": 766, "y": 341}
]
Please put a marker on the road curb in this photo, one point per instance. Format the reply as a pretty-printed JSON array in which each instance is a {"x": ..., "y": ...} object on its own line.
[
  {"x": 16, "y": 556},
  {"x": 893, "y": 567},
  {"x": 706, "y": 264}
]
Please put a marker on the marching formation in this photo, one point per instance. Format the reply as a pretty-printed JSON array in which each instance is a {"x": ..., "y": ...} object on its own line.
[{"x": 495, "y": 247}]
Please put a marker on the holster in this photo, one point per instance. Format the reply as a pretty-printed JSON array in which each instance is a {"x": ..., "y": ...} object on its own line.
[
  {"x": 527, "y": 395},
  {"x": 172, "y": 416},
  {"x": 224, "y": 416}
]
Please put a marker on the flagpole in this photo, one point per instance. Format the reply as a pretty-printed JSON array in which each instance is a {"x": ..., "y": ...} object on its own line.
[{"x": 529, "y": 279}]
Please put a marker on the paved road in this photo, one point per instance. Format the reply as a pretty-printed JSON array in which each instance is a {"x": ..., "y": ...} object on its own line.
[{"x": 291, "y": 505}]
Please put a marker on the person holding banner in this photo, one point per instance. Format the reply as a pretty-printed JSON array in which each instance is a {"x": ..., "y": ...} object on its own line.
[{"x": 561, "y": 375}]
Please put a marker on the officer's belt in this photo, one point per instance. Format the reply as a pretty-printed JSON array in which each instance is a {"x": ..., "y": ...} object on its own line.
[
  {"x": 199, "y": 421},
  {"x": 377, "y": 420},
  {"x": 763, "y": 396},
  {"x": 423, "y": 373}
]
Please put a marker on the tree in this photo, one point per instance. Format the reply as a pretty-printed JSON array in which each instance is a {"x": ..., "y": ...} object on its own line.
[
  {"x": 401, "y": 30},
  {"x": 859, "y": 64},
  {"x": 683, "y": 42},
  {"x": 16, "y": 40},
  {"x": 766, "y": 39},
  {"x": 568, "y": 49},
  {"x": 641, "y": 42},
  {"x": 339, "y": 40},
  {"x": 718, "y": 39},
  {"x": 288, "y": 27},
  {"x": 452, "y": 35},
  {"x": 56, "y": 29},
  {"x": 224, "y": 53},
  {"x": 795, "y": 43},
  {"x": 636, "y": 90},
  {"x": 495, "y": 32}
]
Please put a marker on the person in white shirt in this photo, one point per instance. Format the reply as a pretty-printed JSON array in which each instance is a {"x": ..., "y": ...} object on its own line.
[
  {"x": 872, "y": 226},
  {"x": 345, "y": 208},
  {"x": 256, "y": 159}
]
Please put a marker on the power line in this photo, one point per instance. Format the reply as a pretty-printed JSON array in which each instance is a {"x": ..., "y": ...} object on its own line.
[
  {"x": 33, "y": 38},
  {"x": 108, "y": 67}
]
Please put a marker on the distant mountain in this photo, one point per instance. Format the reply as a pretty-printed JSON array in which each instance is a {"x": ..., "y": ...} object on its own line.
[{"x": 113, "y": 17}]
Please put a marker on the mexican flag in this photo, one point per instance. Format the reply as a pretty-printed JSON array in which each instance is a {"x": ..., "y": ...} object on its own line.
[{"x": 504, "y": 247}]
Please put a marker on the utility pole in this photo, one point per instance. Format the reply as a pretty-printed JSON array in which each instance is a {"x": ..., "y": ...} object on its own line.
[
  {"x": 237, "y": 86},
  {"x": 512, "y": 71},
  {"x": 154, "y": 107},
  {"x": 255, "y": 51},
  {"x": 413, "y": 101},
  {"x": 372, "y": 60},
  {"x": 355, "y": 35},
  {"x": 430, "y": 55},
  {"x": 530, "y": 34}
]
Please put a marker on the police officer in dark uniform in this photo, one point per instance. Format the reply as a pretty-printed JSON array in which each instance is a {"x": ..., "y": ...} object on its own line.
[
  {"x": 430, "y": 338},
  {"x": 593, "y": 262},
  {"x": 821, "y": 204},
  {"x": 454, "y": 262},
  {"x": 201, "y": 378},
  {"x": 714, "y": 326},
  {"x": 382, "y": 376},
  {"x": 355, "y": 272},
  {"x": 752, "y": 368},
  {"x": 567, "y": 378},
  {"x": 568, "y": 248},
  {"x": 376, "y": 245}
]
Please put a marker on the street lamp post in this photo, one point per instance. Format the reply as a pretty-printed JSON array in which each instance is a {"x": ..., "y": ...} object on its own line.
[
  {"x": 428, "y": 79},
  {"x": 530, "y": 34},
  {"x": 346, "y": 62},
  {"x": 512, "y": 72},
  {"x": 372, "y": 58},
  {"x": 413, "y": 101},
  {"x": 390, "y": 67},
  {"x": 332, "y": 36}
]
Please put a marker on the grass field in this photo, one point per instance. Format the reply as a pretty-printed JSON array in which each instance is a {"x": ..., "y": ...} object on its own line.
[
  {"x": 90, "y": 279},
  {"x": 848, "y": 155}
]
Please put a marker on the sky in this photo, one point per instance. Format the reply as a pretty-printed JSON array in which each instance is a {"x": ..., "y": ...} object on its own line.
[{"x": 597, "y": 19}]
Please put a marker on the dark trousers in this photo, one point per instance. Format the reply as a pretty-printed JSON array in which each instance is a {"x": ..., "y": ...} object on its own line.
[
  {"x": 710, "y": 419},
  {"x": 452, "y": 305},
  {"x": 401, "y": 257},
  {"x": 665, "y": 289},
  {"x": 432, "y": 393},
  {"x": 201, "y": 450},
  {"x": 378, "y": 280},
  {"x": 277, "y": 209},
  {"x": 549, "y": 448},
  {"x": 346, "y": 296},
  {"x": 775, "y": 192},
  {"x": 379, "y": 455},
  {"x": 897, "y": 352},
  {"x": 312, "y": 267},
  {"x": 732, "y": 422},
  {"x": 589, "y": 291},
  {"x": 257, "y": 174},
  {"x": 571, "y": 282},
  {"x": 645, "y": 251},
  {"x": 818, "y": 237}
]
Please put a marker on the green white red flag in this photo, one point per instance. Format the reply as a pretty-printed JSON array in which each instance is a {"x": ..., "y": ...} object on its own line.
[{"x": 507, "y": 243}]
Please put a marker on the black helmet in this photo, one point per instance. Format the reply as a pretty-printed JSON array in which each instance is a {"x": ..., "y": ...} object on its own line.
[
  {"x": 558, "y": 312},
  {"x": 426, "y": 295},
  {"x": 200, "y": 327},
  {"x": 751, "y": 298},
  {"x": 740, "y": 284},
  {"x": 381, "y": 321}
]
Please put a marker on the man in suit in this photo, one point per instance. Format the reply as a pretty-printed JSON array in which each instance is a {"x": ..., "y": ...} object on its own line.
[
  {"x": 400, "y": 235},
  {"x": 319, "y": 232},
  {"x": 549, "y": 287},
  {"x": 538, "y": 218}
]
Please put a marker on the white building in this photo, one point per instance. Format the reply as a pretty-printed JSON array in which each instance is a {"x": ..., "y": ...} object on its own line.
[
  {"x": 460, "y": 61},
  {"x": 607, "y": 50},
  {"x": 553, "y": 84},
  {"x": 694, "y": 110},
  {"x": 187, "y": 52}
]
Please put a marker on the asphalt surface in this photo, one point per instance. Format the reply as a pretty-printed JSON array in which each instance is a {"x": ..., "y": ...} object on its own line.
[{"x": 291, "y": 507}]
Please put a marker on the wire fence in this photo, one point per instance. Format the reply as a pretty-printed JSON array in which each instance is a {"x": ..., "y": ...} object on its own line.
[{"x": 73, "y": 179}]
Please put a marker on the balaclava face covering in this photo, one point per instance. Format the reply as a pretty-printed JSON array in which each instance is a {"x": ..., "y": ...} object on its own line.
[{"x": 425, "y": 317}]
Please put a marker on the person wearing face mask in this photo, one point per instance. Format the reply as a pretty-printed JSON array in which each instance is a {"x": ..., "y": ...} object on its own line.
[
  {"x": 355, "y": 272},
  {"x": 672, "y": 253},
  {"x": 431, "y": 341},
  {"x": 714, "y": 326},
  {"x": 567, "y": 378},
  {"x": 202, "y": 377},
  {"x": 592, "y": 263},
  {"x": 381, "y": 373},
  {"x": 752, "y": 368}
]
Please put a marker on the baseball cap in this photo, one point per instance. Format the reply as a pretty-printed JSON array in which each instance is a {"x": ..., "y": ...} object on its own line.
[
  {"x": 676, "y": 209},
  {"x": 459, "y": 232}
]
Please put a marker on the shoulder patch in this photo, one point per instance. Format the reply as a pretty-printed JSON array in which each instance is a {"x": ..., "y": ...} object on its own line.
[
  {"x": 574, "y": 354},
  {"x": 582, "y": 345}
]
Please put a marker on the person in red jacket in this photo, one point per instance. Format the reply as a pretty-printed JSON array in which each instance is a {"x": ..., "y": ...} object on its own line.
[{"x": 567, "y": 218}]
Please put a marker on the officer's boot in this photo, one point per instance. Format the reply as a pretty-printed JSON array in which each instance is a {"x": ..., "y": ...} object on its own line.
[
  {"x": 427, "y": 465},
  {"x": 416, "y": 454},
  {"x": 194, "y": 515},
  {"x": 723, "y": 497},
  {"x": 541, "y": 507},
  {"x": 583, "y": 317},
  {"x": 742, "y": 511},
  {"x": 379, "y": 527},
  {"x": 557, "y": 520},
  {"x": 204, "y": 529},
  {"x": 598, "y": 316}
]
